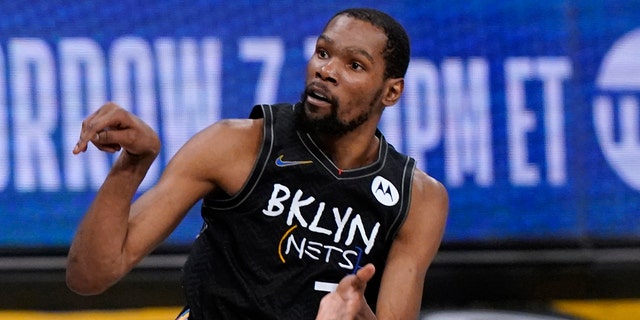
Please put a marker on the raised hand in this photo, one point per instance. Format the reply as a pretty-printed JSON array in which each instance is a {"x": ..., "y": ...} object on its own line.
[
  {"x": 348, "y": 302},
  {"x": 112, "y": 128}
]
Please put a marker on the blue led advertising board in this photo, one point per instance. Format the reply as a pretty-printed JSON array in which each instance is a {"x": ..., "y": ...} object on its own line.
[{"x": 528, "y": 111}]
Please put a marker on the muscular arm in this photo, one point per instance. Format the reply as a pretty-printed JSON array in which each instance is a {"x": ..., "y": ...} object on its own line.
[
  {"x": 115, "y": 234},
  {"x": 418, "y": 240}
]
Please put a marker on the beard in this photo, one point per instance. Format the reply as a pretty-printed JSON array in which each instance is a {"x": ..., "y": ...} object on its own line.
[{"x": 330, "y": 124}]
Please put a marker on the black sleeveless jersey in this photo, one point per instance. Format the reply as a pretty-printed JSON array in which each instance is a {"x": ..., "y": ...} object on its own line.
[{"x": 297, "y": 227}]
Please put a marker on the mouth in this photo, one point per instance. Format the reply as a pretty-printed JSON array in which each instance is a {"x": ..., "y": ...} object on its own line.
[{"x": 318, "y": 96}]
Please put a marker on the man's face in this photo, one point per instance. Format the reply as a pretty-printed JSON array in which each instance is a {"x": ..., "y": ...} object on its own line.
[{"x": 344, "y": 77}]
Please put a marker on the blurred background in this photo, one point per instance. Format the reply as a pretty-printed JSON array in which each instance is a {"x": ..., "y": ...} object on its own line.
[{"x": 528, "y": 111}]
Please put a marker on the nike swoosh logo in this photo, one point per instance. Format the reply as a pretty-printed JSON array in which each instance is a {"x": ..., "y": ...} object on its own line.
[{"x": 285, "y": 163}]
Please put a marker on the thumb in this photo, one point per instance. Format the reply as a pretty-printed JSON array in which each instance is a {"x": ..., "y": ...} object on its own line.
[
  {"x": 106, "y": 140},
  {"x": 357, "y": 281},
  {"x": 365, "y": 274}
]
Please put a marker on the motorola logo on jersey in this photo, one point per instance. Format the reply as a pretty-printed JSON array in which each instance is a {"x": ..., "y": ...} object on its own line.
[
  {"x": 616, "y": 108},
  {"x": 384, "y": 191}
]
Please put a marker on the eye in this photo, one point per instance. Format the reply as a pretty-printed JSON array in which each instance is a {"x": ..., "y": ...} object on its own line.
[
  {"x": 322, "y": 53},
  {"x": 356, "y": 66}
]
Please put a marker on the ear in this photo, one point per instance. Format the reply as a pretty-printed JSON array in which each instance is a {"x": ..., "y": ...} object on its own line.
[{"x": 395, "y": 86}]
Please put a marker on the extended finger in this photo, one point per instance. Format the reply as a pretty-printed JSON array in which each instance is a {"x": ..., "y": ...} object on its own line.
[
  {"x": 94, "y": 124},
  {"x": 87, "y": 132},
  {"x": 365, "y": 273}
]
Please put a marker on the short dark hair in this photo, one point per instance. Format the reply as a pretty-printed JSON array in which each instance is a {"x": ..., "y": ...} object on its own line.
[{"x": 396, "y": 53}]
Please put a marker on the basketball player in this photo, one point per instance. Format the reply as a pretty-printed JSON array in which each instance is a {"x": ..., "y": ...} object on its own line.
[{"x": 308, "y": 211}]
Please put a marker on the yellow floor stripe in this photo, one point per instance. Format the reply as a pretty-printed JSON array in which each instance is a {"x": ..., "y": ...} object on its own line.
[
  {"x": 601, "y": 309},
  {"x": 584, "y": 309},
  {"x": 164, "y": 313}
]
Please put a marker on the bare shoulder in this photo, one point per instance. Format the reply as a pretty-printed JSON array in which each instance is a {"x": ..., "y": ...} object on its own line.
[
  {"x": 427, "y": 191},
  {"x": 242, "y": 128},
  {"x": 424, "y": 226},
  {"x": 222, "y": 154},
  {"x": 226, "y": 138}
]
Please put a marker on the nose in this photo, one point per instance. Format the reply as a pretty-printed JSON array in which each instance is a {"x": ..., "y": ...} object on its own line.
[{"x": 327, "y": 72}]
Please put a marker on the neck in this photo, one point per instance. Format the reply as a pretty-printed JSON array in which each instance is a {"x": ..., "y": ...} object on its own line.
[{"x": 350, "y": 151}]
